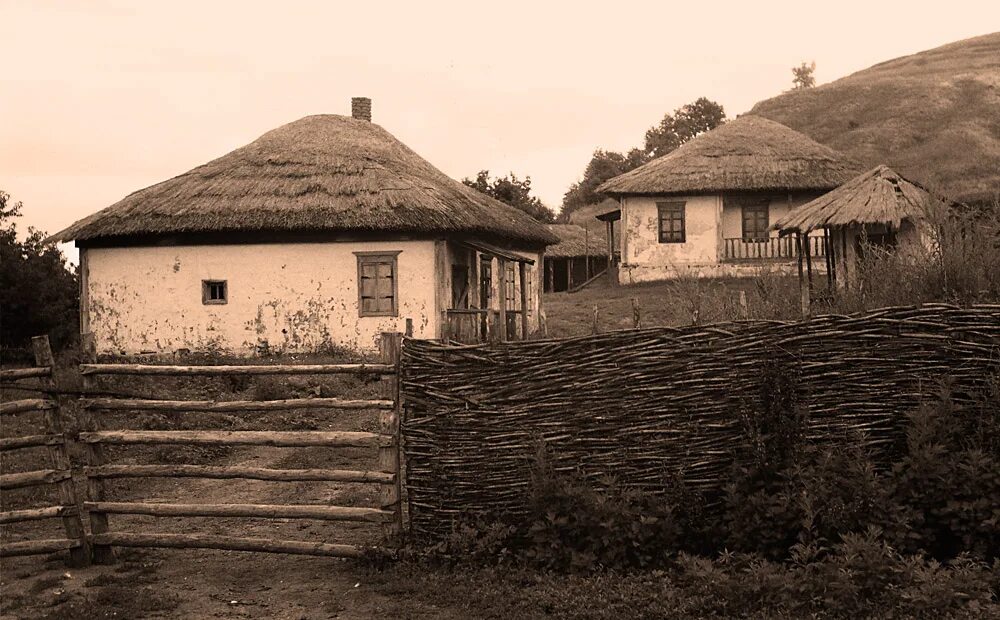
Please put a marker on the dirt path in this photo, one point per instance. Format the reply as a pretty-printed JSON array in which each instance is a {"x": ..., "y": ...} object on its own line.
[{"x": 219, "y": 584}]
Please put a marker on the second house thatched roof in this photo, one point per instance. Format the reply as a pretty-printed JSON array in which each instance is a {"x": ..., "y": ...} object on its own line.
[
  {"x": 879, "y": 196},
  {"x": 576, "y": 241},
  {"x": 319, "y": 173},
  {"x": 749, "y": 153}
]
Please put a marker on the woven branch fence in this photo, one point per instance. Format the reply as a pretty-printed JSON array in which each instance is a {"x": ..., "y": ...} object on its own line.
[{"x": 648, "y": 404}]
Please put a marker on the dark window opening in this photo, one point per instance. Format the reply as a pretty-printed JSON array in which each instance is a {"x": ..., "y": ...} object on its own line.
[
  {"x": 214, "y": 292},
  {"x": 756, "y": 221},
  {"x": 671, "y": 216}
]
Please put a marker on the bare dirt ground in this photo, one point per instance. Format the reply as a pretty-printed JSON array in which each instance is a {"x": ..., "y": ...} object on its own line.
[{"x": 169, "y": 583}]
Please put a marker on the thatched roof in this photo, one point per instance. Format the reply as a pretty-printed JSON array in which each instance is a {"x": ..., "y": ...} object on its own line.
[
  {"x": 749, "y": 153},
  {"x": 319, "y": 173},
  {"x": 575, "y": 241},
  {"x": 879, "y": 196}
]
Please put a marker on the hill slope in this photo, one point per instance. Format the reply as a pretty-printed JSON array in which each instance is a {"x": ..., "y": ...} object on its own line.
[{"x": 933, "y": 116}]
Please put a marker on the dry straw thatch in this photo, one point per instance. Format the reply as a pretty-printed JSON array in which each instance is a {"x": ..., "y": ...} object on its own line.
[
  {"x": 749, "y": 153},
  {"x": 575, "y": 241},
  {"x": 879, "y": 196},
  {"x": 320, "y": 173}
]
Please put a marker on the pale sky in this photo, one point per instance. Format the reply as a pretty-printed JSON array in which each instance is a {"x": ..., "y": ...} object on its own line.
[{"x": 99, "y": 98}]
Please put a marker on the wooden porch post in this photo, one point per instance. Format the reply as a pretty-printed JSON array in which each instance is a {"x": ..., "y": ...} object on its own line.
[
  {"x": 569, "y": 273},
  {"x": 809, "y": 265},
  {"x": 803, "y": 286},
  {"x": 501, "y": 279},
  {"x": 550, "y": 273},
  {"x": 522, "y": 268}
]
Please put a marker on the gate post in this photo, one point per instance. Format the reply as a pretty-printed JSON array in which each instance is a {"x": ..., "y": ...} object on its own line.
[
  {"x": 102, "y": 553},
  {"x": 59, "y": 457},
  {"x": 390, "y": 345}
]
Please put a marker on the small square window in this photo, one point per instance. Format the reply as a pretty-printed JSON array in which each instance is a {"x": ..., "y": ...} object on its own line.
[{"x": 214, "y": 292}]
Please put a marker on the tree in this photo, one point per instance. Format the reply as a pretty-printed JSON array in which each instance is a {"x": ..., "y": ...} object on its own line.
[
  {"x": 513, "y": 191},
  {"x": 603, "y": 166},
  {"x": 684, "y": 124},
  {"x": 802, "y": 76},
  {"x": 38, "y": 290},
  {"x": 674, "y": 130}
]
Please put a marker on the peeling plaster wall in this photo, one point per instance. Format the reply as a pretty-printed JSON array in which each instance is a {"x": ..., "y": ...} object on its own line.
[
  {"x": 644, "y": 258},
  {"x": 282, "y": 297}
]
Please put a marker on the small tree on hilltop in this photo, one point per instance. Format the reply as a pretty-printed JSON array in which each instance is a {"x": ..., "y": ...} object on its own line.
[
  {"x": 513, "y": 191},
  {"x": 38, "y": 291},
  {"x": 802, "y": 76}
]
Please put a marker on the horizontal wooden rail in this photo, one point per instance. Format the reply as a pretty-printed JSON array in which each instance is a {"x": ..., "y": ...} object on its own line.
[
  {"x": 229, "y": 543},
  {"x": 28, "y": 404},
  {"x": 29, "y": 441},
  {"x": 37, "y": 547},
  {"x": 125, "y": 404},
  {"x": 275, "y": 369},
  {"x": 34, "y": 514},
  {"x": 251, "y": 473},
  {"x": 262, "y": 511},
  {"x": 285, "y": 439},
  {"x": 26, "y": 373},
  {"x": 33, "y": 478}
]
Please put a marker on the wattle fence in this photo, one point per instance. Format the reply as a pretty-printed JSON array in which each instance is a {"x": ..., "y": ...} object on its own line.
[{"x": 649, "y": 403}]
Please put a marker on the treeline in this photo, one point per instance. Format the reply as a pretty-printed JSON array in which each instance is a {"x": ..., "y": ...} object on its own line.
[
  {"x": 38, "y": 289},
  {"x": 672, "y": 131}
]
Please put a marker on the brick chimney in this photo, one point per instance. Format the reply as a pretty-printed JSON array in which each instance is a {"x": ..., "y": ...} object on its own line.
[{"x": 361, "y": 108}]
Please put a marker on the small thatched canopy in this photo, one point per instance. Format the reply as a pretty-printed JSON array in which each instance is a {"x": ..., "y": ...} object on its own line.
[
  {"x": 574, "y": 241},
  {"x": 749, "y": 153},
  {"x": 879, "y": 196},
  {"x": 320, "y": 173}
]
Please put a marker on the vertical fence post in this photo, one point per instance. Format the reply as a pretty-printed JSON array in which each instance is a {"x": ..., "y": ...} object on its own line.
[
  {"x": 409, "y": 328},
  {"x": 59, "y": 457},
  {"x": 390, "y": 345},
  {"x": 102, "y": 554},
  {"x": 636, "y": 314},
  {"x": 596, "y": 327},
  {"x": 523, "y": 285}
]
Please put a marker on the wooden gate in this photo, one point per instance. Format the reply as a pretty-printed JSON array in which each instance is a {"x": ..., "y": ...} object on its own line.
[
  {"x": 59, "y": 474},
  {"x": 386, "y": 441}
]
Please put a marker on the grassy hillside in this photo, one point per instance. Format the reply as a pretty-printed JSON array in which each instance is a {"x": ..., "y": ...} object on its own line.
[{"x": 933, "y": 116}]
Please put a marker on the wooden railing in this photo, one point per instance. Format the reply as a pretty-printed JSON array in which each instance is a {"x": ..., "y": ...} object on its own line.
[
  {"x": 59, "y": 474},
  {"x": 386, "y": 441},
  {"x": 772, "y": 248},
  {"x": 475, "y": 325}
]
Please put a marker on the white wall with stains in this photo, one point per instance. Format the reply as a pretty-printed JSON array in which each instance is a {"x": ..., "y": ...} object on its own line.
[
  {"x": 644, "y": 258},
  {"x": 282, "y": 297}
]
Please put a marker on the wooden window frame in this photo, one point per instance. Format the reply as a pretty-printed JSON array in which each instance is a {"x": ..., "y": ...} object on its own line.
[
  {"x": 748, "y": 235},
  {"x": 670, "y": 210},
  {"x": 206, "y": 292},
  {"x": 379, "y": 257}
]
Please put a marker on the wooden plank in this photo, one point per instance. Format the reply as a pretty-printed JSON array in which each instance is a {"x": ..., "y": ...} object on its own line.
[
  {"x": 37, "y": 547},
  {"x": 290, "y": 439},
  {"x": 250, "y": 473},
  {"x": 229, "y": 543},
  {"x": 28, "y": 404},
  {"x": 33, "y": 478},
  {"x": 203, "y": 371},
  {"x": 25, "y": 373},
  {"x": 127, "y": 404},
  {"x": 29, "y": 441},
  {"x": 35, "y": 514},
  {"x": 263, "y": 511}
]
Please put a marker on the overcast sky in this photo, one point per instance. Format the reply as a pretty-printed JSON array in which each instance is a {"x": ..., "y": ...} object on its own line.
[{"x": 101, "y": 98}]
